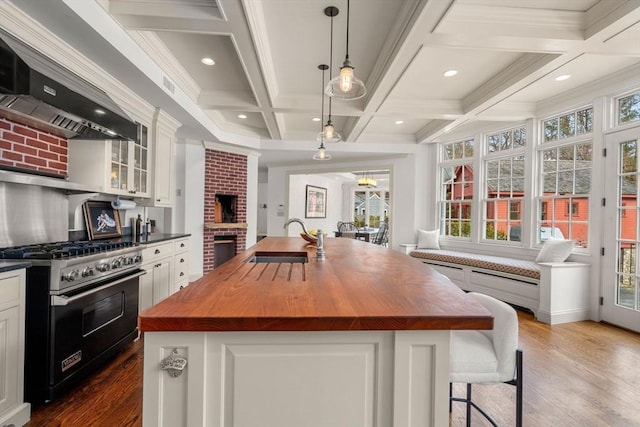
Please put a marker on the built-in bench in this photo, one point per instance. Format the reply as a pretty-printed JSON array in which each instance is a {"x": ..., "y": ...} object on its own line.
[{"x": 556, "y": 292}]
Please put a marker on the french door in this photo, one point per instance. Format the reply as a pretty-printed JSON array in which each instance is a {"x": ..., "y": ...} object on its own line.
[{"x": 621, "y": 266}]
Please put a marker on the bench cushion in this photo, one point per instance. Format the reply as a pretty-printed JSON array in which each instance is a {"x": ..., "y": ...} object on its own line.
[{"x": 505, "y": 265}]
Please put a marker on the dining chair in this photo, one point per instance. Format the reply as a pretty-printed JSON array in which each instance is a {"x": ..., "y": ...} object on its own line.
[
  {"x": 382, "y": 237},
  {"x": 487, "y": 356}
]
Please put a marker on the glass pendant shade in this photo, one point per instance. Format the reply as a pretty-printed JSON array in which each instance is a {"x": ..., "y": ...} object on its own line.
[
  {"x": 346, "y": 86},
  {"x": 329, "y": 134},
  {"x": 321, "y": 154}
]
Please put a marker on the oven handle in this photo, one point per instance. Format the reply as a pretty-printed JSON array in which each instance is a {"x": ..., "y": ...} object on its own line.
[{"x": 59, "y": 300}]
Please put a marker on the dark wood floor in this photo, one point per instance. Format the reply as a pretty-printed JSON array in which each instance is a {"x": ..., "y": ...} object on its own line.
[{"x": 577, "y": 374}]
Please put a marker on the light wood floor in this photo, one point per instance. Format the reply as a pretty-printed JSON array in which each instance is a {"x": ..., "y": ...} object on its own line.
[{"x": 577, "y": 374}]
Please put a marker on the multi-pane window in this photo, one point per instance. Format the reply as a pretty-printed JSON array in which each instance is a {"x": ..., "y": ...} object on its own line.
[
  {"x": 629, "y": 108},
  {"x": 568, "y": 125},
  {"x": 504, "y": 185},
  {"x": 566, "y": 186},
  {"x": 456, "y": 188}
]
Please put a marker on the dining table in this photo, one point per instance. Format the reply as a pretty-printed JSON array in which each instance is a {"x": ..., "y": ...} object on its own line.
[{"x": 366, "y": 234}]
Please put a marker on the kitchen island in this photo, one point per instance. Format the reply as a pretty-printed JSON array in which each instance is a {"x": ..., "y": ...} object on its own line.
[{"x": 359, "y": 339}]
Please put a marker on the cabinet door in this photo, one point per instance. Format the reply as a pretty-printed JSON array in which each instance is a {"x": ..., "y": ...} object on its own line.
[
  {"x": 161, "y": 279},
  {"x": 139, "y": 163},
  {"x": 9, "y": 358},
  {"x": 163, "y": 169},
  {"x": 146, "y": 288}
]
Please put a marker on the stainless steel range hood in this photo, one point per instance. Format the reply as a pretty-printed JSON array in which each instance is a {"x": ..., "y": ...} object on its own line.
[{"x": 37, "y": 91}]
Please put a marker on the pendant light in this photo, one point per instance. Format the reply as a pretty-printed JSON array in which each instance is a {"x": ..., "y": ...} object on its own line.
[
  {"x": 322, "y": 154},
  {"x": 346, "y": 86},
  {"x": 329, "y": 133}
]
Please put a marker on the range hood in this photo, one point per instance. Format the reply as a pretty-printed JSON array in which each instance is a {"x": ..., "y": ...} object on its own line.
[{"x": 37, "y": 91}]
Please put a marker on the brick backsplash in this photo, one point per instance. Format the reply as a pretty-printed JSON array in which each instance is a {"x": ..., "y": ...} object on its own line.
[
  {"x": 225, "y": 173},
  {"x": 24, "y": 147}
]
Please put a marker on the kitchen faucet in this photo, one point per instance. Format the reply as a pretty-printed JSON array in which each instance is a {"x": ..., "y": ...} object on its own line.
[{"x": 319, "y": 237}]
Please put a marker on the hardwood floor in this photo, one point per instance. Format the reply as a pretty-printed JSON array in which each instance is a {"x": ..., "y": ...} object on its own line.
[{"x": 577, "y": 374}]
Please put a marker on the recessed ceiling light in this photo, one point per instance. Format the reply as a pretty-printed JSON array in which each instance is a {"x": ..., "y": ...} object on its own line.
[
  {"x": 207, "y": 61},
  {"x": 316, "y": 119},
  {"x": 242, "y": 116},
  {"x": 99, "y": 111},
  {"x": 563, "y": 77},
  {"x": 399, "y": 122},
  {"x": 450, "y": 73}
]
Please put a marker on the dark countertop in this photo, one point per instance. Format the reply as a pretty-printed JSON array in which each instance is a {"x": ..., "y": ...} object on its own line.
[
  {"x": 156, "y": 237},
  {"x": 13, "y": 265},
  {"x": 378, "y": 289}
]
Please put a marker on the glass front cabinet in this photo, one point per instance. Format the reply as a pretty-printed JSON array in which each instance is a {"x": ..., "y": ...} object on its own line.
[{"x": 116, "y": 166}]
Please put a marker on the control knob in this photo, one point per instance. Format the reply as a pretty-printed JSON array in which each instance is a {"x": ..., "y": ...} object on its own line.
[
  {"x": 137, "y": 258},
  {"x": 116, "y": 263},
  {"x": 103, "y": 266},
  {"x": 87, "y": 271},
  {"x": 72, "y": 275}
]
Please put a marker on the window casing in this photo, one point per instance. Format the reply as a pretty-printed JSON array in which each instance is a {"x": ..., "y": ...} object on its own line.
[
  {"x": 628, "y": 108},
  {"x": 456, "y": 189},
  {"x": 503, "y": 187},
  {"x": 565, "y": 182}
]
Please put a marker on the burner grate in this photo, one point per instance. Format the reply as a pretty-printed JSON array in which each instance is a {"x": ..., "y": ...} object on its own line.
[{"x": 62, "y": 250}]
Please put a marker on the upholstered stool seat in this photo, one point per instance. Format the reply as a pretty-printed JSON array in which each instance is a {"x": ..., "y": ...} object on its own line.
[{"x": 490, "y": 356}]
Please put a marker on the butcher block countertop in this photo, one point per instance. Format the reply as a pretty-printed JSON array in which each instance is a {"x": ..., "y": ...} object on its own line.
[{"x": 359, "y": 286}]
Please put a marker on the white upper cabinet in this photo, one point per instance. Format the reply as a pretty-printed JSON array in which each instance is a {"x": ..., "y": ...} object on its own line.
[
  {"x": 163, "y": 136},
  {"x": 117, "y": 167}
]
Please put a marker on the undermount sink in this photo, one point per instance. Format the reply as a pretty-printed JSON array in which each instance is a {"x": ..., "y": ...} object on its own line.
[{"x": 280, "y": 257}]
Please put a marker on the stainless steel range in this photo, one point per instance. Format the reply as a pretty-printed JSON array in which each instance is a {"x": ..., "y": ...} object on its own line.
[{"x": 82, "y": 307}]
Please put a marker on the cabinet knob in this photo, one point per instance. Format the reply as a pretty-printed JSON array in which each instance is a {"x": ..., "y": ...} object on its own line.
[
  {"x": 181, "y": 287},
  {"x": 181, "y": 273},
  {"x": 158, "y": 200},
  {"x": 181, "y": 260},
  {"x": 157, "y": 251},
  {"x": 182, "y": 245}
]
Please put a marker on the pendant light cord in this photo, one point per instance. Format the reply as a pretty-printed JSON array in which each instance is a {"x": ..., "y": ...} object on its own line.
[
  {"x": 347, "y": 55},
  {"x": 322, "y": 110},
  {"x": 330, "y": 64}
]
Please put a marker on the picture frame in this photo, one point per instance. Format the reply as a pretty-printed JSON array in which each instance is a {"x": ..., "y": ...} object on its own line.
[
  {"x": 315, "y": 202},
  {"x": 102, "y": 220}
]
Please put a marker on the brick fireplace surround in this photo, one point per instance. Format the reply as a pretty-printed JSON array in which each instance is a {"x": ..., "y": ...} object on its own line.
[{"x": 225, "y": 173}]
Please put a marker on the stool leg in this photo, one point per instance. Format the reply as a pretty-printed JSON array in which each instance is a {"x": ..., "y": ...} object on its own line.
[{"x": 469, "y": 405}]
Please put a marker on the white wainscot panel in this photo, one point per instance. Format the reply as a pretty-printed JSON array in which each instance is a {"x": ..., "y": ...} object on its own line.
[{"x": 314, "y": 379}]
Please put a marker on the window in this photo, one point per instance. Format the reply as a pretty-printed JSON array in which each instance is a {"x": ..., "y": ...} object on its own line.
[
  {"x": 572, "y": 209},
  {"x": 629, "y": 108},
  {"x": 572, "y": 124},
  {"x": 565, "y": 188},
  {"x": 456, "y": 189},
  {"x": 504, "y": 184}
]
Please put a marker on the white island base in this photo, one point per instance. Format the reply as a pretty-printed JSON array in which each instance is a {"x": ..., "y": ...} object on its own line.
[{"x": 298, "y": 379}]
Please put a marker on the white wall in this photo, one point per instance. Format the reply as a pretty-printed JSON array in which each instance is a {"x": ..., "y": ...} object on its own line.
[
  {"x": 297, "y": 201},
  {"x": 191, "y": 201}
]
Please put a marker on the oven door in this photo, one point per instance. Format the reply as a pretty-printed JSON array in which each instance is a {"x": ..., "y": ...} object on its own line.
[{"x": 89, "y": 325}]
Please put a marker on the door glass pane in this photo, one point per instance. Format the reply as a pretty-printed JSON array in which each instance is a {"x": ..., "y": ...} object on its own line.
[
  {"x": 124, "y": 178},
  {"x": 359, "y": 208},
  {"x": 628, "y": 236}
]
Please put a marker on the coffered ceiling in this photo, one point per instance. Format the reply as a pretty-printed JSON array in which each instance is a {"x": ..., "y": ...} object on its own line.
[{"x": 265, "y": 87}]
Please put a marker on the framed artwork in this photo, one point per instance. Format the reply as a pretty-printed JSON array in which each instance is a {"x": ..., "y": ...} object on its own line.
[
  {"x": 316, "y": 202},
  {"x": 103, "y": 221}
]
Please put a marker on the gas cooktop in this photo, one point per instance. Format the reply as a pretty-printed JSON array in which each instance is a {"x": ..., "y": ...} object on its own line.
[{"x": 62, "y": 250}]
